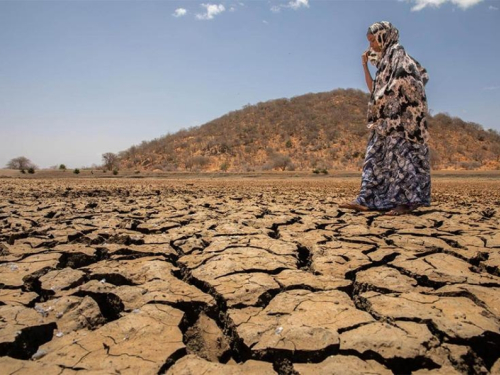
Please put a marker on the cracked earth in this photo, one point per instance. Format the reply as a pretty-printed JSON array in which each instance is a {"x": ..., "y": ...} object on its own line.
[{"x": 246, "y": 276}]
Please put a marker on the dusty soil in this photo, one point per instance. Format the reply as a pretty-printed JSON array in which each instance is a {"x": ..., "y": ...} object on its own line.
[{"x": 246, "y": 276}]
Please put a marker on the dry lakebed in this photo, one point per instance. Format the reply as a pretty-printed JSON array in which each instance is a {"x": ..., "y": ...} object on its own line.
[{"x": 246, "y": 275}]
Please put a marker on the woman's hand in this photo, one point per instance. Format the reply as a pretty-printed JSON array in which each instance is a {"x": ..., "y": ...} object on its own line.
[
  {"x": 368, "y": 76},
  {"x": 364, "y": 57}
]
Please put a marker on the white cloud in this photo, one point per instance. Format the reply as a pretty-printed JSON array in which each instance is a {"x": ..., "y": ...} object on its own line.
[
  {"x": 293, "y": 4},
  {"x": 265, "y": 22},
  {"x": 179, "y": 12},
  {"x": 464, "y": 4},
  {"x": 232, "y": 9},
  {"x": 212, "y": 11},
  {"x": 421, "y": 4},
  {"x": 491, "y": 7},
  {"x": 296, "y": 4}
]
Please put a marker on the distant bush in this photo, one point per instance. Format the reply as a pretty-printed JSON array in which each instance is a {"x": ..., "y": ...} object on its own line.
[
  {"x": 266, "y": 167},
  {"x": 320, "y": 170},
  {"x": 471, "y": 165},
  {"x": 357, "y": 154},
  {"x": 435, "y": 158},
  {"x": 22, "y": 171},
  {"x": 224, "y": 166},
  {"x": 76, "y": 171},
  {"x": 137, "y": 172},
  {"x": 31, "y": 170},
  {"x": 62, "y": 167},
  {"x": 115, "y": 172}
]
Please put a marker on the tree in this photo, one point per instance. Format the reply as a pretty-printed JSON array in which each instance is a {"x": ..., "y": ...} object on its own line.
[
  {"x": 196, "y": 161},
  {"x": 435, "y": 159},
  {"x": 21, "y": 163},
  {"x": 280, "y": 161},
  {"x": 62, "y": 167},
  {"x": 224, "y": 166},
  {"x": 201, "y": 161},
  {"x": 495, "y": 148},
  {"x": 110, "y": 160}
]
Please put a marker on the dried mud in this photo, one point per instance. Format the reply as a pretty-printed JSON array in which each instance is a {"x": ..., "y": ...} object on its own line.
[{"x": 245, "y": 276}]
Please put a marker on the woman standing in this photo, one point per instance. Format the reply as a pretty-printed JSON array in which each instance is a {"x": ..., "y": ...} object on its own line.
[{"x": 396, "y": 171}]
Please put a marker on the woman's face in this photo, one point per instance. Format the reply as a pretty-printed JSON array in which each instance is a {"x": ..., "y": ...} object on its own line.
[{"x": 373, "y": 43}]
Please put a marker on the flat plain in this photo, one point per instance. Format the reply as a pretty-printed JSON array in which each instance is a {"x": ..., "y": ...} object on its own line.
[{"x": 246, "y": 275}]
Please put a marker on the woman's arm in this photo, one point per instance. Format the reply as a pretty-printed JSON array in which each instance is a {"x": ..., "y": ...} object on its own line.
[{"x": 368, "y": 76}]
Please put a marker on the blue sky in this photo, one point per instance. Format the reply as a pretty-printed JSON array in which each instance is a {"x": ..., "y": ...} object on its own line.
[{"x": 81, "y": 78}]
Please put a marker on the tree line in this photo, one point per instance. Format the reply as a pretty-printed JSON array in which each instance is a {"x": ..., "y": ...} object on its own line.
[{"x": 24, "y": 165}]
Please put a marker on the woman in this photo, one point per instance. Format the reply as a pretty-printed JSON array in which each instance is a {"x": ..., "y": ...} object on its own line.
[{"x": 396, "y": 171}]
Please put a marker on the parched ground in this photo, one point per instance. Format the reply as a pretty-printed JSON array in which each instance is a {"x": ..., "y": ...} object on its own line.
[{"x": 246, "y": 276}]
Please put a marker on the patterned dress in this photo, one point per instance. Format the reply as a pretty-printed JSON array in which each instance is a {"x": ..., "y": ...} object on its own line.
[{"x": 396, "y": 170}]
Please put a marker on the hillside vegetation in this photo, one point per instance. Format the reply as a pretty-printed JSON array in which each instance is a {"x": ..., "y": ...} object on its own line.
[{"x": 313, "y": 131}]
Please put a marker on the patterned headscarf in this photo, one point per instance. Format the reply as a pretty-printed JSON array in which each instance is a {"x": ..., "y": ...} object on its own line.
[{"x": 386, "y": 35}]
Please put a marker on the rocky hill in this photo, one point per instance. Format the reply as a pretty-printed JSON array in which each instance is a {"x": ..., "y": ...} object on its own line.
[{"x": 313, "y": 131}]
